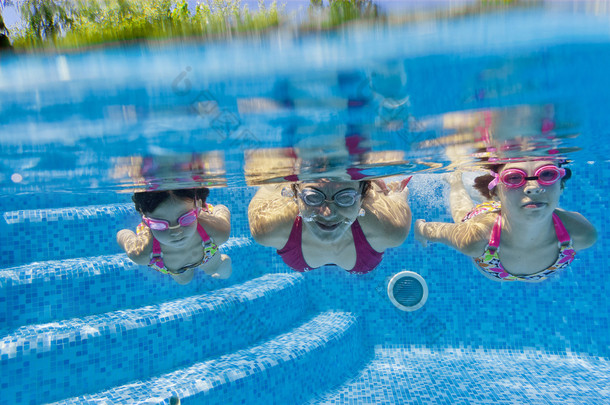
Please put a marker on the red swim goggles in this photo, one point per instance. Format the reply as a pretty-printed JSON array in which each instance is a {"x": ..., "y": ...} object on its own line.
[
  {"x": 161, "y": 225},
  {"x": 515, "y": 178}
]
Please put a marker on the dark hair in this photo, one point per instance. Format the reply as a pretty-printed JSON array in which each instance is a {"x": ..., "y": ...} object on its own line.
[
  {"x": 481, "y": 183},
  {"x": 148, "y": 201}
]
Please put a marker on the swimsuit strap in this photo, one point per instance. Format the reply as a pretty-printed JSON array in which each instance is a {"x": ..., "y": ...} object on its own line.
[
  {"x": 156, "y": 257},
  {"x": 209, "y": 247},
  {"x": 560, "y": 229},
  {"x": 494, "y": 240},
  {"x": 204, "y": 235},
  {"x": 292, "y": 252},
  {"x": 156, "y": 250},
  {"x": 490, "y": 263},
  {"x": 367, "y": 258}
]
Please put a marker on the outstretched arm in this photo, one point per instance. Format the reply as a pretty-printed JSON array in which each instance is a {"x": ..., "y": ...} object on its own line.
[
  {"x": 469, "y": 238},
  {"x": 460, "y": 202},
  {"x": 271, "y": 216}
]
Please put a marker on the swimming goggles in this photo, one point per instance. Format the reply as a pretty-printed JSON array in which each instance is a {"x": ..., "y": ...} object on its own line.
[
  {"x": 316, "y": 198},
  {"x": 161, "y": 225},
  {"x": 515, "y": 178}
]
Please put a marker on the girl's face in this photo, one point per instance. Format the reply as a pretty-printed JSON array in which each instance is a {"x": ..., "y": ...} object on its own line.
[
  {"x": 532, "y": 200},
  {"x": 170, "y": 210},
  {"x": 329, "y": 219}
]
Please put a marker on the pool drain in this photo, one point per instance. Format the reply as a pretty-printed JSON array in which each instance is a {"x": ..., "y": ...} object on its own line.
[{"x": 408, "y": 291}]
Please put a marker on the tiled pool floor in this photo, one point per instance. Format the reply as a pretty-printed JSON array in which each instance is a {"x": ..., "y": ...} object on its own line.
[{"x": 467, "y": 376}]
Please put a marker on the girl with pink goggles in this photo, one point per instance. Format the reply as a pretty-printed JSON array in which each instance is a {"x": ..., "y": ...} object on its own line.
[
  {"x": 161, "y": 225},
  {"x": 514, "y": 178}
]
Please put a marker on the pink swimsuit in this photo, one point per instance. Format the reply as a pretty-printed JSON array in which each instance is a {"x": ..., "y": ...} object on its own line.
[{"x": 367, "y": 258}]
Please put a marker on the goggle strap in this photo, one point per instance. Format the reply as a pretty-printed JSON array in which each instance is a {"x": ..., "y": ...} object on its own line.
[{"x": 494, "y": 182}]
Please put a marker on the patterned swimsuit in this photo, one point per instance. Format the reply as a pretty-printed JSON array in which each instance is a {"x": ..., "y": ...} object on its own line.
[
  {"x": 489, "y": 261},
  {"x": 156, "y": 257}
]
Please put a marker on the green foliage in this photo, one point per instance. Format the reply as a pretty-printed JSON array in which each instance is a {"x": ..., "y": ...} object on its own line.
[
  {"x": 75, "y": 23},
  {"x": 90, "y": 22},
  {"x": 347, "y": 10},
  {"x": 46, "y": 19},
  {"x": 341, "y": 11},
  {"x": 100, "y": 21}
]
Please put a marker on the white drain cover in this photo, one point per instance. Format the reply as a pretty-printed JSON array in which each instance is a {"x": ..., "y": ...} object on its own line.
[{"x": 408, "y": 291}]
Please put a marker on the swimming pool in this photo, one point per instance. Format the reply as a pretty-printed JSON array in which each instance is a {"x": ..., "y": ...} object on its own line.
[{"x": 81, "y": 323}]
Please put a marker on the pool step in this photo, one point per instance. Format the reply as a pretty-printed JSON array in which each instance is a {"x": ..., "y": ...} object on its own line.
[
  {"x": 63, "y": 233},
  {"x": 60, "y": 289},
  {"x": 32, "y": 198},
  {"x": 78, "y": 356},
  {"x": 285, "y": 369},
  {"x": 411, "y": 374}
]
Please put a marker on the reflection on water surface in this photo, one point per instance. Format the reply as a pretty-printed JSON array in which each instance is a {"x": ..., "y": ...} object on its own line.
[{"x": 361, "y": 103}]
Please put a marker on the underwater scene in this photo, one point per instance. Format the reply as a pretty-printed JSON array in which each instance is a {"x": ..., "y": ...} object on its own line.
[{"x": 309, "y": 202}]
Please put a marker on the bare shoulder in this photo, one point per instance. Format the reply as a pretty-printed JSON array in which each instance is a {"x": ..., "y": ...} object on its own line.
[
  {"x": 582, "y": 232},
  {"x": 387, "y": 218},
  {"x": 217, "y": 223},
  {"x": 271, "y": 216}
]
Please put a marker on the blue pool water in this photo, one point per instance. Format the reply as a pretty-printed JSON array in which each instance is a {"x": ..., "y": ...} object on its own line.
[{"x": 80, "y": 323}]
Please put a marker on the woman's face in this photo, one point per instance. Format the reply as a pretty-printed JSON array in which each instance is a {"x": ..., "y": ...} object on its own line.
[
  {"x": 329, "y": 221},
  {"x": 532, "y": 200},
  {"x": 170, "y": 210}
]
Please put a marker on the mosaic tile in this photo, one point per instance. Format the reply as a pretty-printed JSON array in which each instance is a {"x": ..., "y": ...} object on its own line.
[
  {"x": 282, "y": 369},
  {"x": 404, "y": 375},
  {"x": 60, "y": 289},
  {"x": 110, "y": 348}
]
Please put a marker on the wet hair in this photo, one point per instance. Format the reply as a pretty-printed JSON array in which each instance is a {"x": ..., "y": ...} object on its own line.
[
  {"x": 481, "y": 183},
  {"x": 148, "y": 201}
]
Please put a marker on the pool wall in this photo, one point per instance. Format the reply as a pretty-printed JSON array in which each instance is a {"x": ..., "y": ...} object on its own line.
[{"x": 78, "y": 324}]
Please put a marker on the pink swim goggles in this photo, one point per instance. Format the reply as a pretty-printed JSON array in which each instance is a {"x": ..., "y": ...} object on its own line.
[
  {"x": 515, "y": 178},
  {"x": 161, "y": 225}
]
